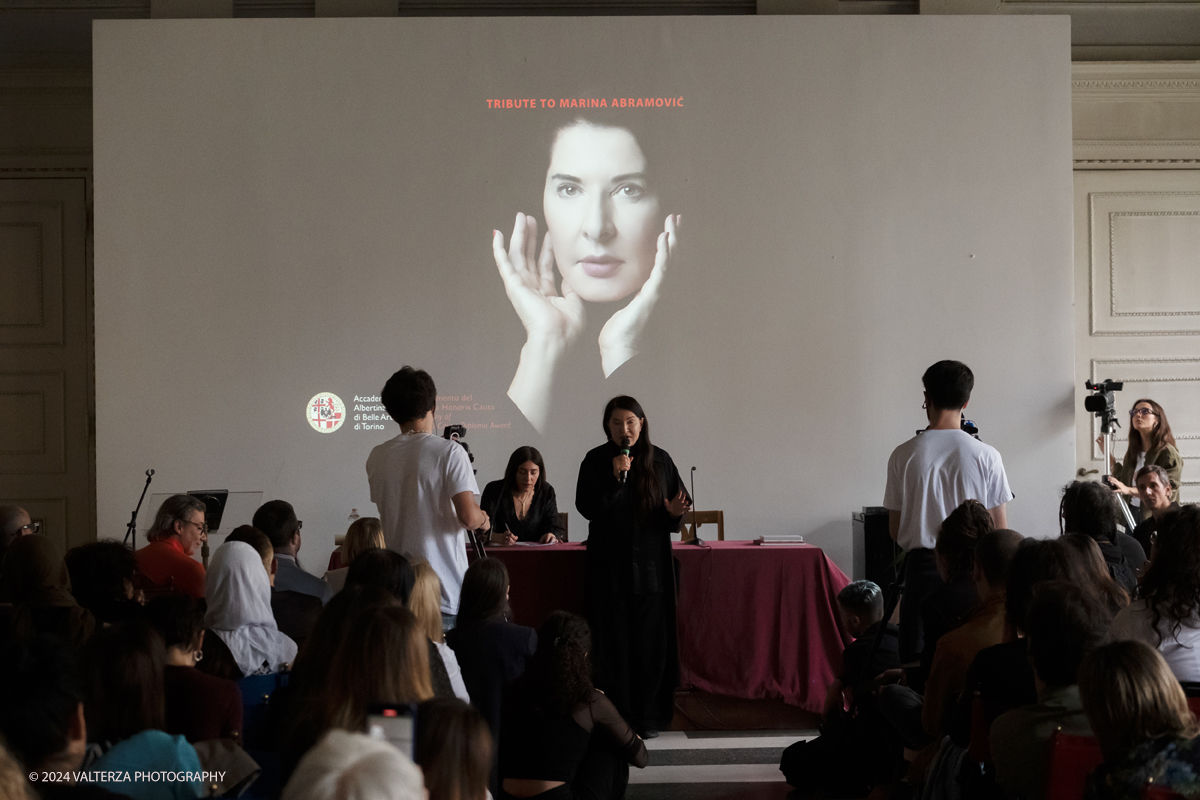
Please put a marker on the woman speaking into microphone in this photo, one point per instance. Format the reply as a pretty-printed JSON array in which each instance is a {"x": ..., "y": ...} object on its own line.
[{"x": 631, "y": 494}]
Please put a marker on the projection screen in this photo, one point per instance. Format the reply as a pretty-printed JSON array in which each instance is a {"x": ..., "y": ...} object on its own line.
[{"x": 287, "y": 211}]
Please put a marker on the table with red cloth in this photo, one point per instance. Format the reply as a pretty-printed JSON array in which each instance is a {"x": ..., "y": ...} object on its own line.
[{"x": 754, "y": 621}]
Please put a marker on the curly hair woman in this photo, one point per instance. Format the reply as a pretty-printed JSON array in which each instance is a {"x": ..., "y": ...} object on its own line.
[
  {"x": 561, "y": 737},
  {"x": 1168, "y": 615}
]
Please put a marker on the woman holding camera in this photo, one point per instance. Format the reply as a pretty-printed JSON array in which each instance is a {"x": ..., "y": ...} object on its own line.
[{"x": 1150, "y": 442}]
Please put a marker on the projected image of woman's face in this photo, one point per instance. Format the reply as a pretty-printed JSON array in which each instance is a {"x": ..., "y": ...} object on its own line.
[{"x": 601, "y": 214}]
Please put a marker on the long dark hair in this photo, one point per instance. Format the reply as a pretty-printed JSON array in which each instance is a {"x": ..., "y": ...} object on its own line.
[
  {"x": 123, "y": 680},
  {"x": 484, "y": 595},
  {"x": 454, "y": 749},
  {"x": 650, "y": 491},
  {"x": 959, "y": 535},
  {"x": 1159, "y": 438},
  {"x": 519, "y": 457},
  {"x": 560, "y": 667},
  {"x": 1172, "y": 583}
]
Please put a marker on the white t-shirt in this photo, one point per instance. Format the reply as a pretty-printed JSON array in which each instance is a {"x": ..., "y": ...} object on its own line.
[
  {"x": 413, "y": 478},
  {"x": 934, "y": 473},
  {"x": 1181, "y": 651}
]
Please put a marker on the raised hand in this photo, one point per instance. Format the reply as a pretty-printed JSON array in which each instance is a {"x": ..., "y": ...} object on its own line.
[
  {"x": 619, "y": 337},
  {"x": 552, "y": 321},
  {"x": 679, "y": 504},
  {"x": 529, "y": 283}
]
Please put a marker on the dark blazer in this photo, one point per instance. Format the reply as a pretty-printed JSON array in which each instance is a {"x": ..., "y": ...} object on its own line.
[
  {"x": 542, "y": 517},
  {"x": 201, "y": 707},
  {"x": 491, "y": 655},
  {"x": 295, "y": 614}
]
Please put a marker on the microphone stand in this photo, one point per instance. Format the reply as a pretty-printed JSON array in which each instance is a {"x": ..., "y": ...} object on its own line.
[
  {"x": 696, "y": 540},
  {"x": 1106, "y": 430},
  {"x": 131, "y": 528}
]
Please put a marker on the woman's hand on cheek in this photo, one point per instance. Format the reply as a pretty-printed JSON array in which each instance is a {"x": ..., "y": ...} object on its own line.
[
  {"x": 552, "y": 322},
  {"x": 619, "y": 337},
  {"x": 529, "y": 283}
]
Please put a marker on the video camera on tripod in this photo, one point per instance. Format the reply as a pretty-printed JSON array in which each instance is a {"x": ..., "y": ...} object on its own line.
[{"x": 1103, "y": 403}]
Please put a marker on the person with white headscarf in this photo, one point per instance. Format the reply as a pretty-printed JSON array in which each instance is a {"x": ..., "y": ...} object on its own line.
[{"x": 238, "y": 591}]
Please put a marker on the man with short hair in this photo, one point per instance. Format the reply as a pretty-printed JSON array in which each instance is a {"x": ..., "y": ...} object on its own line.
[
  {"x": 424, "y": 487},
  {"x": 277, "y": 519},
  {"x": 178, "y": 531},
  {"x": 1154, "y": 489},
  {"x": 929, "y": 476}
]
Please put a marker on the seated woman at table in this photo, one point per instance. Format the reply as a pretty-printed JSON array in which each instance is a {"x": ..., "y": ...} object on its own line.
[
  {"x": 561, "y": 737},
  {"x": 523, "y": 507}
]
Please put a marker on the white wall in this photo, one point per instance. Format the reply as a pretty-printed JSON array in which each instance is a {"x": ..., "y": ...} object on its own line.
[{"x": 288, "y": 207}]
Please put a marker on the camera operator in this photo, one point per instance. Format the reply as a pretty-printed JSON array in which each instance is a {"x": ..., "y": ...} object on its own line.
[
  {"x": 928, "y": 477},
  {"x": 1150, "y": 442},
  {"x": 424, "y": 487}
]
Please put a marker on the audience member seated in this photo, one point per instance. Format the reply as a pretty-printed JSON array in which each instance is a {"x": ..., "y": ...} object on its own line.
[
  {"x": 35, "y": 580},
  {"x": 522, "y": 506},
  {"x": 1140, "y": 715},
  {"x": 949, "y": 604},
  {"x": 1091, "y": 508},
  {"x": 857, "y": 749},
  {"x": 124, "y": 707},
  {"x": 277, "y": 519},
  {"x": 1090, "y": 569},
  {"x": 14, "y": 523},
  {"x": 383, "y": 569},
  {"x": 199, "y": 707},
  {"x": 1168, "y": 615},
  {"x": 310, "y": 673},
  {"x": 454, "y": 750},
  {"x": 491, "y": 650},
  {"x": 1064, "y": 624},
  {"x": 1154, "y": 489},
  {"x": 12, "y": 778},
  {"x": 353, "y": 766},
  {"x": 42, "y": 720},
  {"x": 1001, "y": 676},
  {"x": 177, "y": 532},
  {"x": 561, "y": 737},
  {"x": 382, "y": 658},
  {"x": 102, "y": 580},
  {"x": 922, "y": 721},
  {"x": 295, "y": 613},
  {"x": 243, "y": 639},
  {"x": 426, "y": 605},
  {"x": 365, "y": 533}
]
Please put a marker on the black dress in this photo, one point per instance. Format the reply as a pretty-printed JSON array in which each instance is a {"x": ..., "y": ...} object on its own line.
[
  {"x": 630, "y": 587},
  {"x": 540, "y": 519}
]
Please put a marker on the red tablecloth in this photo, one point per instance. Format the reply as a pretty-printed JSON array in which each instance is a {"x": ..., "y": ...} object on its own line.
[{"x": 754, "y": 622}]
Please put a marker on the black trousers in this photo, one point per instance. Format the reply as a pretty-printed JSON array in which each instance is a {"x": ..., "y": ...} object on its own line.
[
  {"x": 921, "y": 579},
  {"x": 629, "y": 650},
  {"x": 603, "y": 775}
]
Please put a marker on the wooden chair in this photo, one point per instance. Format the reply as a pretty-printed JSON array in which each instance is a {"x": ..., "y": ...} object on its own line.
[
  {"x": 694, "y": 519},
  {"x": 1072, "y": 759}
]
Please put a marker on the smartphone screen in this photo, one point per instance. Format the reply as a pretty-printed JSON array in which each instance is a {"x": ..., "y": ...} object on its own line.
[{"x": 394, "y": 723}]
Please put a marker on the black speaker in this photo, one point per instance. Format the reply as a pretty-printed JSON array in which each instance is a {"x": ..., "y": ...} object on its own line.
[{"x": 875, "y": 553}]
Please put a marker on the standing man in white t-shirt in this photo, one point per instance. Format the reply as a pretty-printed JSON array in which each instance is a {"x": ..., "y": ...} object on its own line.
[
  {"x": 929, "y": 476},
  {"x": 424, "y": 487}
]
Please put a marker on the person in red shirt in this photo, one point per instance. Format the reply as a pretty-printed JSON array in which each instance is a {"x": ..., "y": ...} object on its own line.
[{"x": 178, "y": 530}]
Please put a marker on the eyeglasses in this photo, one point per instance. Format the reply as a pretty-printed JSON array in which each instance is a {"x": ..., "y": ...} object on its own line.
[
  {"x": 32, "y": 527},
  {"x": 1142, "y": 412},
  {"x": 299, "y": 524},
  {"x": 203, "y": 526}
]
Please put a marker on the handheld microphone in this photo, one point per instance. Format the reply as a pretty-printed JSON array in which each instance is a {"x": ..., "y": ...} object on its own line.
[{"x": 625, "y": 452}]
